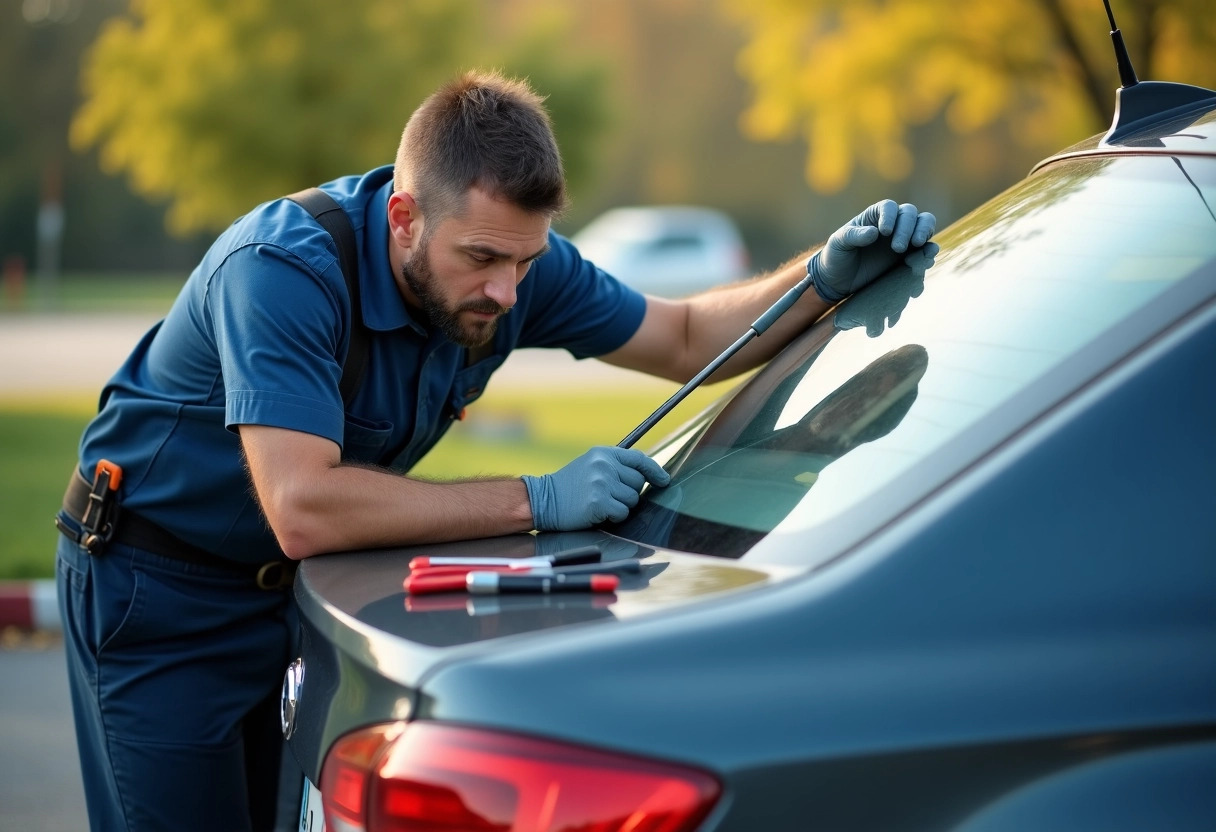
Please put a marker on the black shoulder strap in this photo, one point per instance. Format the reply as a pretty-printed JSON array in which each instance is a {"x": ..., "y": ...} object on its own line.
[
  {"x": 326, "y": 211},
  {"x": 474, "y": 354}
]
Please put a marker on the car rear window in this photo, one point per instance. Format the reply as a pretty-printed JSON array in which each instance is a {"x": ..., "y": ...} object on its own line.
[{"x": 905, "y": 371}]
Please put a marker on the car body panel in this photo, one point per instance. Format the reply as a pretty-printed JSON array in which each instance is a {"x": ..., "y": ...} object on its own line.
[
  {"x": 1157, "y": 788},
  {"x": 380, "y": 642},
  {"x": 914, "y": 573},
  {"x": 901, "y": 649},
  {"x": 1189, "y": 130},
  {"x": 971, "y": 616}
]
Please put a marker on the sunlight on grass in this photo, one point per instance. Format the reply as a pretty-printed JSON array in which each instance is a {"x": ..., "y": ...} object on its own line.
[{"x": 508, "y": 432}]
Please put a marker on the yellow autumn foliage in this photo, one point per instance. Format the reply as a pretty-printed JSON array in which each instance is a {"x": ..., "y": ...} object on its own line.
[
  {"x": 215, "y": 106},
  {"x": 851, "y": 78}
]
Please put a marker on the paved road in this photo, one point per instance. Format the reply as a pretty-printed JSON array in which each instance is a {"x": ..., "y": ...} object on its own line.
[
  {"x": 40, "y": 786},
  {"x": 74, "y": 352}
]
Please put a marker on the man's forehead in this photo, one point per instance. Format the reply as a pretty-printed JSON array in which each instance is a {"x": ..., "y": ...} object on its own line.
[{"x": 496, "y": 224}]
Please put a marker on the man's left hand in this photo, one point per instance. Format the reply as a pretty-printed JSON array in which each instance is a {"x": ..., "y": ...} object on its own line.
[{"x": 870, "y": 244}]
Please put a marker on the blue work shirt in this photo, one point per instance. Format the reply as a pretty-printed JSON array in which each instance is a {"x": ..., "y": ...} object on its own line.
[{"x": 259, "y": 334}]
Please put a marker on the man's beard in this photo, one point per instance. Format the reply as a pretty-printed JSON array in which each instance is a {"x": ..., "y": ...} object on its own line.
[{"x": 420, "y": 279}]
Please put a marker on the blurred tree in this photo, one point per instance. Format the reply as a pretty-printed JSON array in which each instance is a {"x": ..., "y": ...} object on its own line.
[
  {"x": 536, "y": 44},
  {"x": 852, "y": 77},
  {"x": 217, "y": 106},
  {"x": 672, "y": 135}
]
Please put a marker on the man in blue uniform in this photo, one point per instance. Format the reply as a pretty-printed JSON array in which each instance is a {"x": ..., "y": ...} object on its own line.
[{"x": 224, "y": 450}]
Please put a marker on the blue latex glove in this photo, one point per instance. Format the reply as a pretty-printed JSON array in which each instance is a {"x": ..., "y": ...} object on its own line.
[
  {"x": 602, "y": 484},
  {"x": 881, "y": 307},
  {"x": 872, "y": 242}
]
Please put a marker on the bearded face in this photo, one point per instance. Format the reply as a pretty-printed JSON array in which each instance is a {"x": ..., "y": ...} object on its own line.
[{"x": 469, "y": 323}]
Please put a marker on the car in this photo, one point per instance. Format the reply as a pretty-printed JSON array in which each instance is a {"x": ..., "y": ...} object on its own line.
[
  {"x": 948, "y": 561},
  {"x": 666, "y": 250}
]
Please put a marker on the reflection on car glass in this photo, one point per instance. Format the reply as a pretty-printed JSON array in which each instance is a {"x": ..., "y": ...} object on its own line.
[
  {"x": 727, "y": 495},
  {"x": 1063, "y": 260},
  {"x": 879, "y": 307},
  {"x": 998, "y": 227},
  {"x": 1198, "y": 190}
]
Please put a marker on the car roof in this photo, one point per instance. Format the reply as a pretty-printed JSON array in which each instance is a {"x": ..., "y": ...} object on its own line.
[{"x": 1185, "y": 130}]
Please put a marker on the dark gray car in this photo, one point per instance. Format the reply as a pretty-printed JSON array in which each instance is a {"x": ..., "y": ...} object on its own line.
[{"x": 947, "y": 562}]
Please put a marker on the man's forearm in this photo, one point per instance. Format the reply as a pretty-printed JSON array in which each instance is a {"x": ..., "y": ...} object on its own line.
[
  {"x": 720, "y": 317},
  {"x": 678, "y": 338},
  {"x": 350, "y": 507}
]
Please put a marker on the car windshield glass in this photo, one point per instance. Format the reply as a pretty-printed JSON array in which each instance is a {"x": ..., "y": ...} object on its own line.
[{"x": 908, "y": 366}]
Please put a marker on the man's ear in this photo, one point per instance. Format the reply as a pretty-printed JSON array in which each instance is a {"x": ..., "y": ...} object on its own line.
[{"x": 404, "y": 220}]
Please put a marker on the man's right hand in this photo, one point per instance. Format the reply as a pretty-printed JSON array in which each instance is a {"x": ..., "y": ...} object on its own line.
[
  {"x": 870, "y": 244},
  {"x": 602, "y": 484}
]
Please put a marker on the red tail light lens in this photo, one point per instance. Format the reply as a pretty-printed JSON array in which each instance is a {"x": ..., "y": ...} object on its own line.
[{"x": 431, "y": 777}]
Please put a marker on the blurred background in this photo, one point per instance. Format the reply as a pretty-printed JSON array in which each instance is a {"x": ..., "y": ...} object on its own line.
[{"x": 131, "y": 131}]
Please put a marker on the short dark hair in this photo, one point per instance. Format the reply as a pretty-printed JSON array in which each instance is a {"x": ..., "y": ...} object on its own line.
[{"x": 485, "y": 130}]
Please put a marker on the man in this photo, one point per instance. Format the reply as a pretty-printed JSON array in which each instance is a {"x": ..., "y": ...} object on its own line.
[{"x": 231, "y": 445}]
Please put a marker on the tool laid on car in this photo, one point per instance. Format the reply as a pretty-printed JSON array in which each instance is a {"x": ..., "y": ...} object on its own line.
[
  {"x": 434, "y": 579},
  {"x": 494, "y": 583},
  {"x": 583, "y": 554},
  {"x": 481, "y": 606},
  {"x": 481, "y": 582},
  {"x": 625, "y": 565}
]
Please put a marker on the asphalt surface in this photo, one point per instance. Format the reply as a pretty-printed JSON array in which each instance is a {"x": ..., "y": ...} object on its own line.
[
  {"x": 45, "y": 353},
  {"x": 40, "y": 785}
]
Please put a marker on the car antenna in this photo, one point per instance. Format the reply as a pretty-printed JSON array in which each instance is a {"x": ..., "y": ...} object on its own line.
[
  {"x": 1139, "y": 104},
  {"x": 761, "y": 324},
  {"x": 1127, "y": 75}
]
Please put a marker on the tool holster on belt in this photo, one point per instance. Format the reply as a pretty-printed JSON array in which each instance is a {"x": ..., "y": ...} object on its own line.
[
  {"x": 96, "y": 509},
  {"x": 101, "y": 514}
]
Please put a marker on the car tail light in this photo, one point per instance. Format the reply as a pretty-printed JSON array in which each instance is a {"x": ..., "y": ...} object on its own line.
[{"x": 432, "y": 777}]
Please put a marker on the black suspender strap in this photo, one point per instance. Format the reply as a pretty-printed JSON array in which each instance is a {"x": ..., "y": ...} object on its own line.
[
  {"x": 326, "y": 211},
  {"x": 479, "y": 353}
]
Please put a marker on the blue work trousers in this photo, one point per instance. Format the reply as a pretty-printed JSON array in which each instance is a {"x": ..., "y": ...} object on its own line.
[{"x": 175, "y": 672}]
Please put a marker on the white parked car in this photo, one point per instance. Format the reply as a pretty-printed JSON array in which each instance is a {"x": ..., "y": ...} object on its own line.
[{"x": 669, "y": 250}]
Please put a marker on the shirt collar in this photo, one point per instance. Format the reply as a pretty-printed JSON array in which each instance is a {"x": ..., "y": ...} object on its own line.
[{"x": 383, "y": 307}]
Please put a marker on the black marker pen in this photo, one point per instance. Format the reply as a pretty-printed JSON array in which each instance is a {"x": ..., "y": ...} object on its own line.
[{"x": 495, "y": 583}]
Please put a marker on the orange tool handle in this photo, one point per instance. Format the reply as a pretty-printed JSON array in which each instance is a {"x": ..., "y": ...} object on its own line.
[{"x": 111, "y": 468}]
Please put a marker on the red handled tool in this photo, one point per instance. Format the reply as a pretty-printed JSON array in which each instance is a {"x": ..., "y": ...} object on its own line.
[
  {"x": 448, "y": 578},
  {"x": 583, "y": 554},
  {"x": 493, "y": 583},
  {"x": 621, "y": 566}
]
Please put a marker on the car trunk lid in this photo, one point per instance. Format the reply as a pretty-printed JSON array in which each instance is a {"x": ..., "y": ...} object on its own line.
[{"x": 358, "y": 599}]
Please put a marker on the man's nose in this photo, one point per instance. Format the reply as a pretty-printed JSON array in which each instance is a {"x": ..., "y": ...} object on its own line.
[{"x": 501, "y": 288}]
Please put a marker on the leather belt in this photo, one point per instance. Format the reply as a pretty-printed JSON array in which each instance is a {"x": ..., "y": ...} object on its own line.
[{"x": 134, "y": 530}]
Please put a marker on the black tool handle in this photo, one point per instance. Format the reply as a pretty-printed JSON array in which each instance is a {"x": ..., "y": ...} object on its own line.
[{"x": 762, "y": 323}]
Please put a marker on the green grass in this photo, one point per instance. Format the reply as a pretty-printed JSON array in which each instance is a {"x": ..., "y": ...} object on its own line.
[
  {"x": 38, "y": 439},
  {"x": 509, "y": 432}
]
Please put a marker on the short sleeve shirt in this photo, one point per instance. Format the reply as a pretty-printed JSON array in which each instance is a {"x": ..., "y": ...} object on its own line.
[{"x": 258, "y": 335}]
